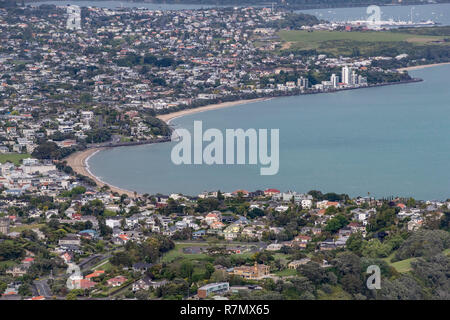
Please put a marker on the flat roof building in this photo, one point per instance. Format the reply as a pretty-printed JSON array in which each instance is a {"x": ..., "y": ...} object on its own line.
[{"x": 206, "y": 290}]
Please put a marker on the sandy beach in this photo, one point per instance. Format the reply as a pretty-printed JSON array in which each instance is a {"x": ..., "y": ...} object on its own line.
[
  {"x": 170, "y": 116},
  {"x": 78, "y": 162},
  {"x": 422, "y": 66}
]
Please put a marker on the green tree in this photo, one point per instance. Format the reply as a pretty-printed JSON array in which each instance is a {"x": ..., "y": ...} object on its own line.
[
  {"x": 336, "y": 223},
  {"x": 355, "y": 243},
  {"x": 186, "y": 270},
  {"x": 3, "y": 287}
]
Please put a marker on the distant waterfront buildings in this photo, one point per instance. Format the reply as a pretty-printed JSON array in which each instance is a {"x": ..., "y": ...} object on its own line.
[{"x": 351, "y": 78}]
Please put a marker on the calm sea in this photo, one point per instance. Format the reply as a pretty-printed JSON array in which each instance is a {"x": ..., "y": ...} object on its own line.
[{"x": 388, "y": 141}]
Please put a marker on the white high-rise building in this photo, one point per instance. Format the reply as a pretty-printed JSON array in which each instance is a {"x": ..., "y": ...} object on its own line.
[
  {"x": 346, "y": 75},
  {"x": 334, "y": 80},
  {"x": 354, "y": 78}
]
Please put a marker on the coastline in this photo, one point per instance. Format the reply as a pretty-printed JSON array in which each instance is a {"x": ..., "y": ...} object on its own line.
[
  {"x": 167, "y": 118},
  {"x": 422, "y": 66},
  {"x": 78, "y": 161}
]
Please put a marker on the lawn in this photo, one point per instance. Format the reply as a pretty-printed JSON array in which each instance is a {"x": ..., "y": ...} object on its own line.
[
  {"x": 27, "y": 227},
  {"x": 177, "y": 253},
  {"x": 13, "y": 157},
  {"x": 316, "y": 37},
  {"x": 403, "y": 266},
  {"x": 343, "y": 43},
  {"x": 286, "y": 273}
]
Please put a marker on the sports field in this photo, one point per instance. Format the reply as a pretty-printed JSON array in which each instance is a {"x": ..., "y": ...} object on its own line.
[
  {"x": 336, "y": 41},
  {"x": 13, "y": 157}
]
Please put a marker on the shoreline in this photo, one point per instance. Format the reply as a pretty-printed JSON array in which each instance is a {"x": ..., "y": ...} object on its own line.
[
  {"x": 423, "y": 66},
  {"x": 78, "y": 161},
  {"x": 167, "y": 118}
]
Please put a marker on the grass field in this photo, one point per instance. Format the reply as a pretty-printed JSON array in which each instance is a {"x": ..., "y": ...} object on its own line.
[
  {"x": 13, "y": 157},
  {"x": 286, "y": 273},
  {"x": 27, "y": 227},
  {"x": 177, "y": 253},
  {"x": 342, "y": 43},
  {"x": 315, "y": 37},
  {"x": 403, "y": 266}
]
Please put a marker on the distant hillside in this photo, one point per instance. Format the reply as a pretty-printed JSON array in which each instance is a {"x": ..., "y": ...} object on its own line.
[
  {"x": 288, "y": 4},
  {"x": 303, "y": 4}
]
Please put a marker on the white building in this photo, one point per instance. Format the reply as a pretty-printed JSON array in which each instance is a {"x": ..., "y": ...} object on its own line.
[
  {"x": 334, "y": 80},
  {"x": 346, "y": 72}
]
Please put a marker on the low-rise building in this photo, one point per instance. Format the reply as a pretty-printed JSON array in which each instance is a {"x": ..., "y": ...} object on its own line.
[
  {"x": 255, "y": 272},
  {"x": 213, "y": 288}
]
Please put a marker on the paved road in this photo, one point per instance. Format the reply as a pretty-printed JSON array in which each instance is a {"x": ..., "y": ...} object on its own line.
[{"x": 42, "y": 288}]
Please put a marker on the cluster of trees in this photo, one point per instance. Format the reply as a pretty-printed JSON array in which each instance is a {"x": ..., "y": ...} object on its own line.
[
  {"x": 337, "y": 222},
  {"x": 330, "y": 196},
  {"x": 383, "y": 77},
  {"x": 98, "y": 135},
  {"x": 133, "y": 59},
  {"x": 74, "y": 192},
  {"x": 346, "y": 279},
  {"x": 294, "y": 21},
  {"x": 14, "y": 250},
  {"x": 423, "y": 243},
  {"x": 11, "y": 250},
  {"x": 148, "y": 251},
  {"x": 49, "y": 150},
  {"x": 158, "y": 127},
  {"x": 428, "y": 279},
  {"x": 174, "y": 291}
]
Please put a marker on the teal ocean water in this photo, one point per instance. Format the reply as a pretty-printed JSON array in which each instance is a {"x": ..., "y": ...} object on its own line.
[{"x": 389, "y": 141}]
